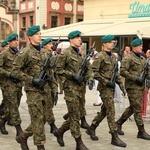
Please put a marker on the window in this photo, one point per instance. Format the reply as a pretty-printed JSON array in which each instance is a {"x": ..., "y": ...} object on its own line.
[
  {"x": 23, "y": 21},
  {"x": 67, "y": 20},
  {"x": 31, "y": 20},
  {"x": 79, "y": 20},
  {"x": 54, "y": 21}
]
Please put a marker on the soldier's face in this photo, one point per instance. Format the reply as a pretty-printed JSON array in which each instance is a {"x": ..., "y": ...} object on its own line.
[
  {"x": 36, "y": 38},
  {"x": 76, "y": 42},
  {"x": 108, "y": 46},
  {"x": 138, "y": 49},
  {"x": 49, "y": 46},
  {"x": 14, "y": 44}
]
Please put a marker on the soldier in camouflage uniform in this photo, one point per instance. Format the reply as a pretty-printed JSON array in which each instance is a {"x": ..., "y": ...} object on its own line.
[
  {"x": 11, "y": 86},
  {"x": 4, "y": 45},
  {"x": 131, "y": 68},
  {"x": 27, "y": 67},
  {"x": 84, "y": 123},
  {"x": 103, "y": 66},
  {"x": 68, "y": 63},
  {"x": 47, "y": 45}
]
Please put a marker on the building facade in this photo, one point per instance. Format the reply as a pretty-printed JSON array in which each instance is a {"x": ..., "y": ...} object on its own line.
[{"x": 9, "y": 12}]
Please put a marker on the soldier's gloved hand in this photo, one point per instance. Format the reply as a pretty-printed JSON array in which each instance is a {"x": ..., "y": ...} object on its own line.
[
  {"x": 123, "y": 90},
  {"x": 14, "y": 79},
  {"x": 55, "y": 98},
  {"x": 139, "y": 81},
  {"x": 39, "y": 83},
  {"x": 110, "y": 84},
  {"x": 77, "y": 78},
  {"x": 90, "y": 84}
]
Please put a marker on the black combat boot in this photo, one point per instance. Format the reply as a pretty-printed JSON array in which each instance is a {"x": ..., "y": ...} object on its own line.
[
  {"x": 66, "y": 116},
  {"x": 22, "y": 139},
  {"x": 2, "y": 126},
  {"x": 84, "y": 124},
  {"x": 116, "y": 140},
  {"x": 41, "y": 147},
  {"x": 59, "y": 135},
  {"x": 52, "y": 127},
  {"x": 10, "y": 123},
  {"x": 142, "y": 134},
  {"x": 80, "y": 145},
  {"x": 91, "y": 131},
  {"x": 119, "y": 123}
]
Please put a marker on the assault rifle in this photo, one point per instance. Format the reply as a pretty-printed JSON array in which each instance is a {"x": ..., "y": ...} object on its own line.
[
  {"x": 144, "y": 71},
  {"x": 47, "y": 61},
  {"x": 115, "y": 70},
  {"x": 82, "y": 68}
]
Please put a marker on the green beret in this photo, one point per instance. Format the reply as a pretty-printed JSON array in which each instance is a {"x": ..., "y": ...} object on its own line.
[
  {"x": 107, "y": 38},
  {"x": 74, "y": 34},
  {"x": 4, "y": 43},
  {"x": 12, "y": 37},
  {"x": 32, "y": 30},
  {"x": 136, "y": 42},
  {"x": 46, "y": 41}
]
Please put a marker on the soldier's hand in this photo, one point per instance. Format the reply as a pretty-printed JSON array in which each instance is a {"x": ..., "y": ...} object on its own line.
[
  {"x": 90, "y": 84},
  {"x": 55, "y": 98},
  {"x": 77, "y": 78},
  {"x": 110, "y": 84},
  {"x": 14, "y": 78},
  {"x": 139, "y": 81},
  {"x": 39, "y": 83}
]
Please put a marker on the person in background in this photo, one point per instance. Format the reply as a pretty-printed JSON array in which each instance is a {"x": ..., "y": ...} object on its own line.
[
  {"x": 127, "y": 50},
  {"x": 99, "y": 100}
]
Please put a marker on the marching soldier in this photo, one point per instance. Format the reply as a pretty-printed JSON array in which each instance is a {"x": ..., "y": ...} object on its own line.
[
  {"x": 131, "y": 68},
  {"x": 12, "y": 84},
  {"x": 68, "y": 64},
  {"x": 27, "y": 67},
  {"x": 47, "y": 45},
  {"x": 103, "y": 66}
]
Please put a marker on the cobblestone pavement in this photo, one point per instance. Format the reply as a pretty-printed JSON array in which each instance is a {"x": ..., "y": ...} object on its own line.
[{"x": 7, "y": 142}]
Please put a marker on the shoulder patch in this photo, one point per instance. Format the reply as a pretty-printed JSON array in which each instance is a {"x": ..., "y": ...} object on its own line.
[
  {"x": 61, "y": 53},
  {"x": 96, "y": 57}
]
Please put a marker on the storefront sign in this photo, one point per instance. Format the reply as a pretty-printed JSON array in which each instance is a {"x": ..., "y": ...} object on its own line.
[{"x": 139, "y": 10}]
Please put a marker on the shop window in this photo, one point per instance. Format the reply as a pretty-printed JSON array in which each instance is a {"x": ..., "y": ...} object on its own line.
[
  {"x": 79, "y": 20},
  {"x": 23, "y": 21},
  {"x": 54, "y": 21},
  {"x": 67, "y": 20},
  {"x": 31, "y": 20}
]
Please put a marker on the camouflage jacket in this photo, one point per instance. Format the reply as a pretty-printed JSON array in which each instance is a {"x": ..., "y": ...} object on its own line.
[
  {"x": 69, "y": 62},
  {"x": 131, "y": 68},
  {"x": 7, "y": 58},
  {"x": 103, "y": 67},
  {"x": 28, "y": 65}
]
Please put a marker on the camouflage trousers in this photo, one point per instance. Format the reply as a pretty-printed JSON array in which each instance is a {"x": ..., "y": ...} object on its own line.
[
  {"x": 107, "y": 109},
  {"x": 73, "y": 101},
  {"x": 135, "y": 99},
  {"x": 12, "y": 97},
  {"x": 39, "y": 107},
  {"x": 49, "y": 107}
]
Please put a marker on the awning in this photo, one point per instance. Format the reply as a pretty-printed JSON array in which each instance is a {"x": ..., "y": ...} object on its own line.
[{"x": 92, "y": 28}]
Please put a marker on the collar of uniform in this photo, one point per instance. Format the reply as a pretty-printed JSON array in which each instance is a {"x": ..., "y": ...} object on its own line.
[
  {"x": 137, "y": 54},
  {"x": 14, "y": 50},
  {"x": 75, "y": 49}
]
